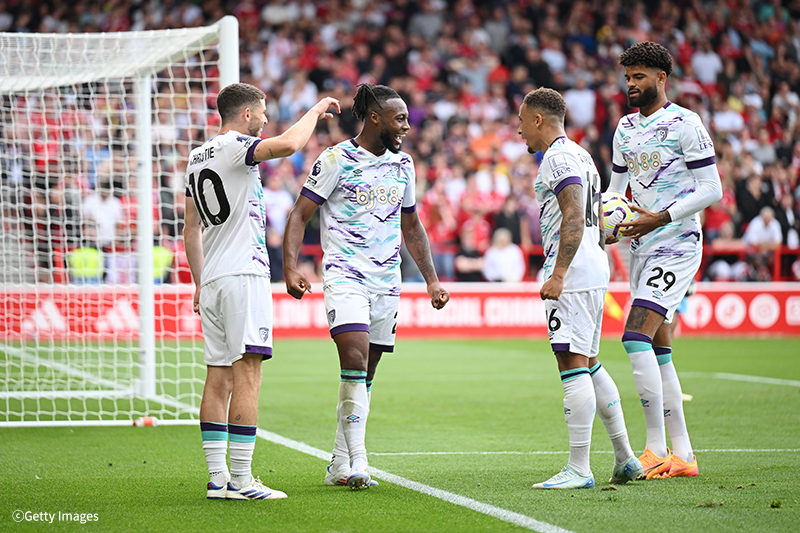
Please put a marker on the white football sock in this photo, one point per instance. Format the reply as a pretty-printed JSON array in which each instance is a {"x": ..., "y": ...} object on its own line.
[
  {"x": 648, "y": 385},
  {"x": 609, "y": 407},
  {"x": 673, "y": 409},
  {"x": 352, "y": 411},
  {"x": 579, "y": 406}
]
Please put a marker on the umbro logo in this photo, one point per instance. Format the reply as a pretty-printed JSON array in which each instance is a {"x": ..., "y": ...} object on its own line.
[
  {"x": 645, "y": 403},
  {"x": 352, "y": 419}
]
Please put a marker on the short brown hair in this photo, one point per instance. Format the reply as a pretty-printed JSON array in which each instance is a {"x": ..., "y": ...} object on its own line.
[
  {"x": 236, "y": 96},
  {"x": 547, "y": 101}
]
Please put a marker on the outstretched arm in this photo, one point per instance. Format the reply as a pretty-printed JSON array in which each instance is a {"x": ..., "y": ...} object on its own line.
[
  {"x": 297, "y": 136},
  {"x": 570, "y": 201},
  {"x": 296, "y": 283},
  {"x": 418, "y": 246}
]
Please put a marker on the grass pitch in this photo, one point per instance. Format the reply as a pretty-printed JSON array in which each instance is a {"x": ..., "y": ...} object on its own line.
[{"x": 478, "y": 419}]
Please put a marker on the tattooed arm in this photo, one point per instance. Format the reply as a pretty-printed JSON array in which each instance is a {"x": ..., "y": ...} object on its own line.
[
  {"x": 417, "y": 243},
  {"x": 570, "y": 201}
]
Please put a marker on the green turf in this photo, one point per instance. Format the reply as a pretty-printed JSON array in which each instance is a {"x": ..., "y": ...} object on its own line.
[{"x": 439, "y": 396}]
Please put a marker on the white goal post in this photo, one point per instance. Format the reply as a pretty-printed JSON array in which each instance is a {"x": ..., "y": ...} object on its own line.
[{"x": 95, "y": 130}]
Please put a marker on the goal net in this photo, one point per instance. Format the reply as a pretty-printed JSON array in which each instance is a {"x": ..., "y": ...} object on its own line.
[{"x": 96, "y": 322}]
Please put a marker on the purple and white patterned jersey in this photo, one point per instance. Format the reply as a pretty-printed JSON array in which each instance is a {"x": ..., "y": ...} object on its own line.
[
  {"x": 362, "y": 196},
  {"x": 658, "y": 154},
  {"x": 565, "y": 163},
  {"x": 224, "y": 183}
]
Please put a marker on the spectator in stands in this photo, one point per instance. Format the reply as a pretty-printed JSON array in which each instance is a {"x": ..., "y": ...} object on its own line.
[
  {"x": 105, "y": 210},
  {"x": 469, "y": 261},
  {"x": 764, "y": 234},
  {"x": 504, "y": 260}
]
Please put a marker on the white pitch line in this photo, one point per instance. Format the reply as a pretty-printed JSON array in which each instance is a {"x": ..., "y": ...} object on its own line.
[
  {"x": 565, "y": 452},
  {"x": 474, "y": 505},
  {"x": 741, "y": 377}
]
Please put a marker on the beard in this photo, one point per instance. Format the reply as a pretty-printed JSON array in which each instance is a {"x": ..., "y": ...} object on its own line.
[
  {"x": 254, "y": 129},
  {"x": 387, "y": 139},
  {"x": 645, "y": 98}
]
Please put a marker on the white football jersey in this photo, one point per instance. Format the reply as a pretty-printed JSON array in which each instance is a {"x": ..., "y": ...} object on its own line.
[
  {"x": 565, "y": 163},
  {"x": 658, "y": 154},
  {"x": 223, "y": 181},
  {"x": 362, "y": 196}
]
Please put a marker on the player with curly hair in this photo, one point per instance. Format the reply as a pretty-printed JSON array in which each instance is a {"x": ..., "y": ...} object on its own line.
[{"x": 667, "y": 156}]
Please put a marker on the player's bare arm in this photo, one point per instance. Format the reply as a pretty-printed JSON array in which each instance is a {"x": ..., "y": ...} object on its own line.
[
  {"x": 418, "y": 246},
  {"x": 296, "y": 137},
  {"x": 570, "y": 201},
  {"x": 301, "y": 213},
  {"x": 646, "y": 222},
  {"x": 193, "y": 241}
]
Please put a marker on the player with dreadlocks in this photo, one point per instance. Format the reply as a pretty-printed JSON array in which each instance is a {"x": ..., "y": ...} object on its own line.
[
  {"x": 365, "y": 187},
  {"x": 667, "y": 155}
]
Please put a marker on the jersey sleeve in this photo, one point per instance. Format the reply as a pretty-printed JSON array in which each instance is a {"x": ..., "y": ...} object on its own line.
[
  {"x": 561, "y": 169},
  {"x": 619, "y": 168},
  {"x": 696, "y": 143},
  {"x": 241, "y": 149},
  {"x": 323, "y": 178},
  {"x": 410, "y": 196}
]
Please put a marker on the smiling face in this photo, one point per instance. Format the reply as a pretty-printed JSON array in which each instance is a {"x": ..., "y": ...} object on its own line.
[
  {"x": 393, "y": 124},
  {"x": 258, "y": 119},
  {"x": 643, "y": 85}
]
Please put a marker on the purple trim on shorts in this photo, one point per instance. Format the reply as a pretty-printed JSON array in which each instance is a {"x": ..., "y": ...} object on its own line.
[
  {"x": 560, "y": 347},
  {"x": 311, "y": 195},
  {"x": 380, "y": 348},
  {"x": 618, "y": 168},
  {"x": 409, "y": 209},
  {"x": 701, "y": 163},
  {"x": 647, "y": 304},
  {"x": 264, "y": 351},
  {"x": 188, "y": 193},
  {"x": 568, "y": 181},
  {"x": 662, "y": 350},
  {"x": 248, "y": 159},
  {"x": 636, "y": 336},
  {"x": 344, "y": 328}
]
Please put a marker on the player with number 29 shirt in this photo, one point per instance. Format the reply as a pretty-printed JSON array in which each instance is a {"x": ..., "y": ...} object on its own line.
[{"x": 667, "y": 156}]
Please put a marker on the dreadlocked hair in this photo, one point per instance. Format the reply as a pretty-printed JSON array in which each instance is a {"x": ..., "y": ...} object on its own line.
[
  {"x": 368, "y": 95},
  {"x": 649, "y": 54}
]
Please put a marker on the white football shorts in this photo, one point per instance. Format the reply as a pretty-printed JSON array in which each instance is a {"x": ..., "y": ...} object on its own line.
[
  {"x": 236, "y": 313},
  {"x": 660, "y": 282},
  {"x": 351, "y": 307},
  {"x": 575, "y": 321}
]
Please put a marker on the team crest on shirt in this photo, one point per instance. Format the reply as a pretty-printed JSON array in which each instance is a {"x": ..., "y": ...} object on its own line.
[
  {"x": 661, "y": 133},
  {"x": 331, "y": 316},
  {"x": 264, "y": 332}
]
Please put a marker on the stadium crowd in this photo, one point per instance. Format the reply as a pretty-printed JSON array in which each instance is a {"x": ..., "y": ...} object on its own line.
[{"x": 463, "y": 67}]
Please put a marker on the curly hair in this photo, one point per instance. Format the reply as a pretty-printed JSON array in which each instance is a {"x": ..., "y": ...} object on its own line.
[
  {"x": 548, "y": 101},
  {"x": 649, "y": 54},
  {"x": 235, "y": 96},
  {"x": 369, "y": 94}
]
